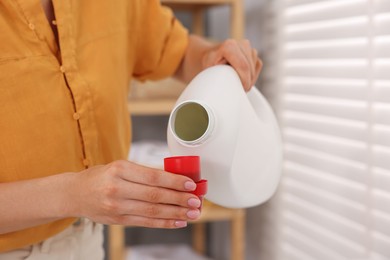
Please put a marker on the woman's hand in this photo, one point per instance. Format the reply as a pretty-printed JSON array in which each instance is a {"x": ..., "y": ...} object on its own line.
[
  {"x": 129, "y": 194},
  {"x": 201, "y": 54},
  {"x": 240, "y": 55}
]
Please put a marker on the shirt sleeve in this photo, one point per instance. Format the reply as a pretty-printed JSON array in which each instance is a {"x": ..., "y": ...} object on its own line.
[{"x": 161, "y": 43}]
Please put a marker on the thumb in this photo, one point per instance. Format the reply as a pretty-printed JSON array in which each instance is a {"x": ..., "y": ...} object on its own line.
[{"x": 213, "y": 58}]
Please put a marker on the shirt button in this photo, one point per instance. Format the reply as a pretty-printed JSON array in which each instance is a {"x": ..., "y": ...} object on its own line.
[
  {"x": 54, "y": 22},
  {"x": 76, "y": 116},
  {"x": 62, "y": 69},
  {"x": 86, "y": 162},
  {"x": 31, "y": 26}
]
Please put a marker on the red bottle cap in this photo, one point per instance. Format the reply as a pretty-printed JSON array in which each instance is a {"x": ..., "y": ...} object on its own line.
[
  {"x": 201, "y": 188},
  {"x": 184, "y": 165}
]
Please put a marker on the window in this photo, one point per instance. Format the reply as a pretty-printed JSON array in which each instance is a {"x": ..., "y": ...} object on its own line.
[{"x": 329, "y": 67}]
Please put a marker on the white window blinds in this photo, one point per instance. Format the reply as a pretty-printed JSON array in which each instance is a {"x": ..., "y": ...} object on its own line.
[{"x": 331, "y": 65}]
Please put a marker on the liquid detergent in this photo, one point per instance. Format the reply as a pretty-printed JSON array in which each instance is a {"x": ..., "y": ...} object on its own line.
[{"x": 234, "y": 133}]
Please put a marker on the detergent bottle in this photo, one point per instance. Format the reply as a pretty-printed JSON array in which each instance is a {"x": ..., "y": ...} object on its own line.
[{"x": 234, "y": 133}]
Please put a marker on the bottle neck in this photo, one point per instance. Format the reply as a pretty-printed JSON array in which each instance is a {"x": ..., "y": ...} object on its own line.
[{"x": 191, "y": 122}]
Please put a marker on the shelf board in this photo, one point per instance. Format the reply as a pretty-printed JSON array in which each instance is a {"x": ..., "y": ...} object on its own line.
[
  {"x": 189, "y": 4},
  {"x": 149, "y": 107},
  {"x": 197, "y": 2}
]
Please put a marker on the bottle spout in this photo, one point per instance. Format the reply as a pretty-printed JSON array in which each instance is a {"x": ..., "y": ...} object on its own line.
[{"x": 191, "y": 122}]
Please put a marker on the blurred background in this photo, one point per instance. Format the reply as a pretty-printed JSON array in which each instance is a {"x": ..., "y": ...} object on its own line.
[{"x": 327, "y": 76}]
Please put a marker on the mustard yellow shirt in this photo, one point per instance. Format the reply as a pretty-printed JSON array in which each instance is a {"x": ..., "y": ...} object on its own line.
[{"x": 65, "y": 108}]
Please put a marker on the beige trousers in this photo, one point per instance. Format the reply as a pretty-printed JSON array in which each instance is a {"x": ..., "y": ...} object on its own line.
[{"x": 81, "y": 241}]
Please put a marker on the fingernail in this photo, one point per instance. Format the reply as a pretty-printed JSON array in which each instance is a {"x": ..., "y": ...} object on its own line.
[
  {"x": 194, "y": 203},
  {"x": 180, "y": 223},
  {"x": 189, "y": 185},
  {"x": 193, "y": 213}
]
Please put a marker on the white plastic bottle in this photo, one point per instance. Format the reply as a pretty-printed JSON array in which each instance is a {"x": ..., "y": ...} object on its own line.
[{"x": 234, "y": 133}]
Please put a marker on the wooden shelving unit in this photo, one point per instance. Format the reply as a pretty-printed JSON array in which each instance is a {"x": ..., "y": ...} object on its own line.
[
  {"x": 198, "y": 7},
  {"x": 163, "y": 106},
  {"x": 211, "y": 213},
  {"x": 147, "y": 107}
]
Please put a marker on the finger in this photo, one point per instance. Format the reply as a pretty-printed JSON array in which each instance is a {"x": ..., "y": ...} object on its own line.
[
  {"x": 158, "y": 195},
  {"x": 160, "y": 211},
  {"x": 130, "y": 220},
  {"x": 236, "y": 58},
  {"x": 247, "y": 49},
  {"x": 258, "y": 67},
  {"x": 153, "y": 177}
]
